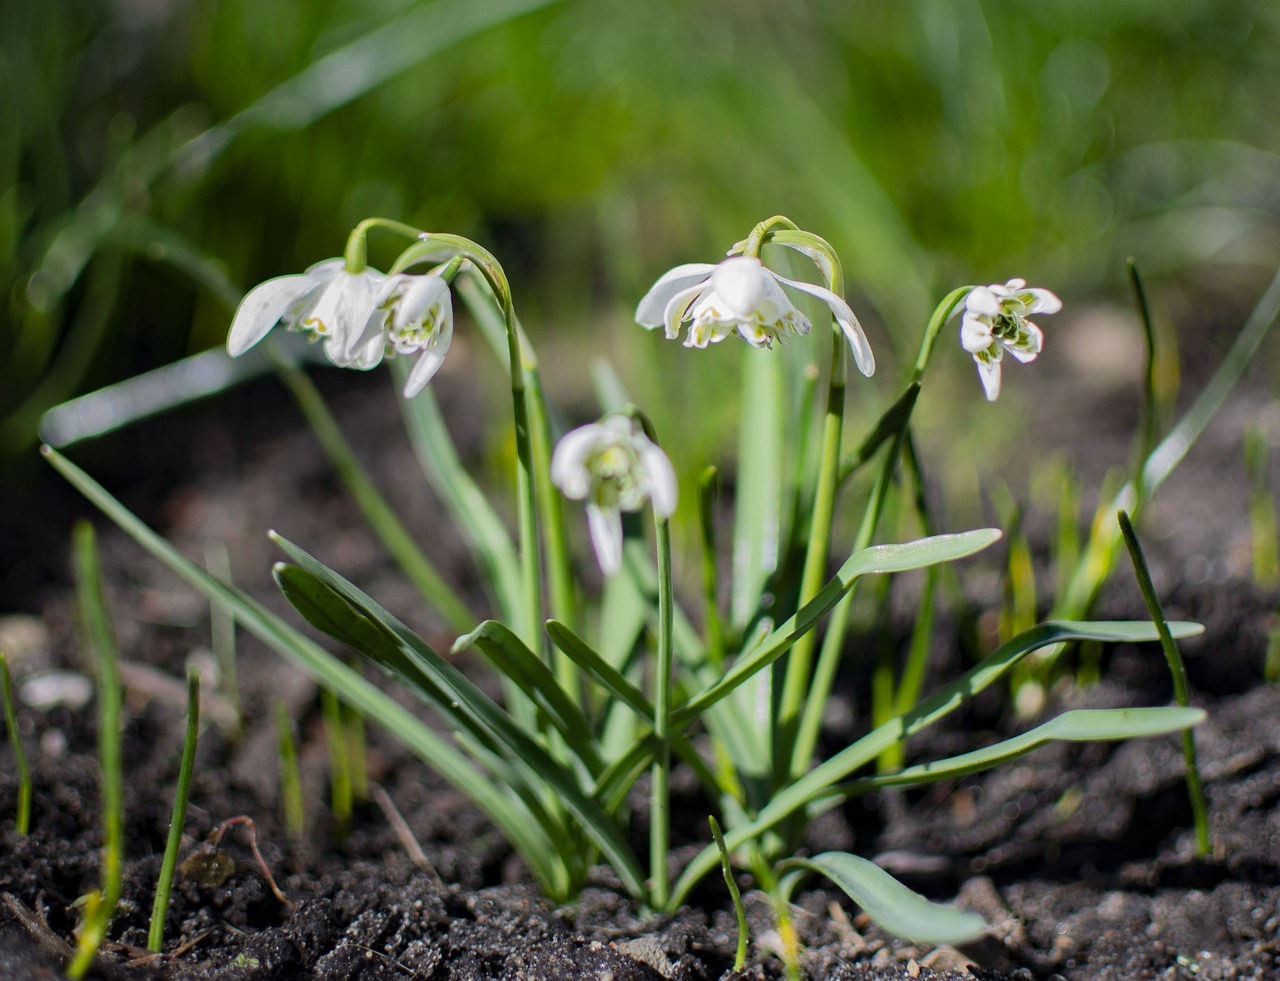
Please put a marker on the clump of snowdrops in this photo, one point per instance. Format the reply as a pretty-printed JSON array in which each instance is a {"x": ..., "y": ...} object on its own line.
[{"x": 608, "y": 688}]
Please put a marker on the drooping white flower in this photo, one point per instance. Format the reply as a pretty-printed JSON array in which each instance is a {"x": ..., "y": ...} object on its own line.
[
  {"x": 995, "y": 321},
  {"x": 360, "y": 317},
  {"x": 326, "y": 304},
  {"x": 614, "y": 467},
  {"x": 740, "y": 295},
  {"x": 419, "y": 312}
]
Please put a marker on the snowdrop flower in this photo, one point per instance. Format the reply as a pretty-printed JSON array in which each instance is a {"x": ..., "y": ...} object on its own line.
[
  {"x": 741, "y": 296},
  {"x": 326, "y": 304},
  {"x": 614, "y": 467},
  {"x": 419, "y": 320},
  {"x": 995, "y": 322}
]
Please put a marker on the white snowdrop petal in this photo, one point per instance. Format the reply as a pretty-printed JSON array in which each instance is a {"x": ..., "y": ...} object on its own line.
[
  {"x": 261, "y": 309},
  {"x": 605, "y": 526},
  {"x": 652, "y": 308}
]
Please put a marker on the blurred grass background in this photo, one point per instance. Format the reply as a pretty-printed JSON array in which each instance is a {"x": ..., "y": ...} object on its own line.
[{"x": 160, "y": 156}]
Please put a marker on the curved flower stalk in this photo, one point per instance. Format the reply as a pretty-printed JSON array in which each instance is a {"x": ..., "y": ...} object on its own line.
[
  {"x": 614, "y": 467},
  {"x": 741, "y": 296},
  {"x": 995, "y": 321}
]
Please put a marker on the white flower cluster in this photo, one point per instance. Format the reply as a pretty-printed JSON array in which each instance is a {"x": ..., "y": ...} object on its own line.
[
  {"x": 995, "y": 322},
  {"x": 360, "y": 317}
]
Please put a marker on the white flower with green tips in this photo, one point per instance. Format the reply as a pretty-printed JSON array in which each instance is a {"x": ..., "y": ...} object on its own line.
[
  {"x": 359, "y": 317},
  {"x": 614, "y": 467},
  {"x": 995, "y": 321},
  {"x": 740, "y": 295},
  {"x": 419, "y": 320}
]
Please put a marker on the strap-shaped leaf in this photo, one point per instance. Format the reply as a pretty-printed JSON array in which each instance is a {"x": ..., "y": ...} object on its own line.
[
  {"x": 877, "y": 559},
  {"x": 511, "y": 657},
  {"x": 898, "y": 909},
  {"x": 890, "y": 424},
  {"x": 818, "y": 781},
  {"x": 327, "y": 610},
  {"x": 438, "y": 753},
  {"x": 599, "y": 670},
  {"x": 1077, "y": 725},
  {"x": 521, "y": 744}
]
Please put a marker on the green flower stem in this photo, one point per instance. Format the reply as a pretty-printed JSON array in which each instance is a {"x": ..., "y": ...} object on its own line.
[
  {"x": 356, "y": 254},
  {"x": 710, "y": 568},
  {"x": 382, "y": 519},
  {"x": 819, "y": 687},
  {"x": 22, "y": 819},
  {"x": 155, "y": 937},
  {"x": 102, "y": 642},
  {"x": 798, "y": 681},
  {"x": 660, "y": 810},
  {"x": 521, "y": 361},
  {"x": 1178, "y": 671},
  {"x": 760, "y": 234}
]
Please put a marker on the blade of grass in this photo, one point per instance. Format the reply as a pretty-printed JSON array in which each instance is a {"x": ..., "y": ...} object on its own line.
[
  {"x": 169, "y": 864},
  {"x": 740, "y": 956},
  {"x": 102, "y": 645},
  {"x": 22, "y": 818},
  {"x": 1178, "y": 671},
  {"x": 291, "y": 805}
]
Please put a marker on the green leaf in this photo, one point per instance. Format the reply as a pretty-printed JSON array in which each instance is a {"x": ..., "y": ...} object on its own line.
[
  {"x": 891, "y": 904},
  {"x": 818, "y": 781},
  {"x": 511, "y": 657},
  {"x": 891, "y": 423},
  {"x": 485, "y": 714},
  {"x": 514, "y": 822},
  {"x": 877, "y": 559},
  {"x": 758, "y": 494},
  {"x": 1077, "y": 725},
  {"x": 599, "y": 670}
]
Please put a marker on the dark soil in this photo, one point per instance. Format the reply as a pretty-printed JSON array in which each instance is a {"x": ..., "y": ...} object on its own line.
[{"x": 1080, "y": 857}]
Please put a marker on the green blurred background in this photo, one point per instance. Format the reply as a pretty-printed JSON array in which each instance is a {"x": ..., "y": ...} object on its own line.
[{"x": 159, "y": 156}]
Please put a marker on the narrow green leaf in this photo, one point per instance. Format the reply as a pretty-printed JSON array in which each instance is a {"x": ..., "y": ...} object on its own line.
[
  {"x": 891, "y": 422},
  {"x": 487, "y": 714},
  {"x": 600, "y": 671},
  {"x": 511, "y": 657},
  {"x": 818, "y": 781},
  {"x": 758, "y": 494},
  {"x": 1077, "y": 725},
  {"x": 877, "y": 559},
  {"x": 891, "y": 904},
  {"x": 525, "y": 835}
]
